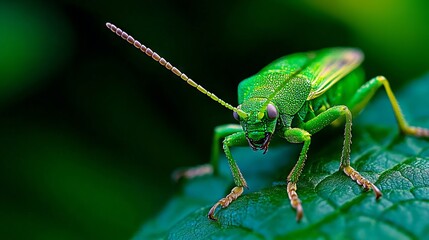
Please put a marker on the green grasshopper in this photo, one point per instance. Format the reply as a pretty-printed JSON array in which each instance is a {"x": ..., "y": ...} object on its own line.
[{"x": 293, "y": 98}]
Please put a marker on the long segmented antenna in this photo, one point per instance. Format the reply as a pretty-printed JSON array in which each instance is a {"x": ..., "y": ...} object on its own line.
[{"x": 170, "y": 67}]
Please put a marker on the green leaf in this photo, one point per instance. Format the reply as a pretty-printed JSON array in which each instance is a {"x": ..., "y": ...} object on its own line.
[{"x": 335, "y": 207}]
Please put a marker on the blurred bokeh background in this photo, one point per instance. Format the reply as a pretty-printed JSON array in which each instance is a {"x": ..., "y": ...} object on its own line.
[{"x": 91, "y": 129}]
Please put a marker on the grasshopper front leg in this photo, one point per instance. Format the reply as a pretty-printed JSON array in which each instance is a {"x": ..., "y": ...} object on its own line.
[
  {"x": 236, "y": 139},
  {"x": 296, "y": 135}
]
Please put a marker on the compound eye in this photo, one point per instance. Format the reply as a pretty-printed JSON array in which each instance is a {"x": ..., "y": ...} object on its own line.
[
  {"x": 272, "y": 111},
  {"x": 235, "y": 115}
]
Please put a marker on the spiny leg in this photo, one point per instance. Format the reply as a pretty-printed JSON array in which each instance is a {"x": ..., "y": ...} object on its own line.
[
  {"x": 235, "y": 139},
  {"x": 220, "y": 132},
  {"x": 345, "y": 158},
  {"x": 367, "y": 91},
  {"x": 296, "y": 135},
  {"x": 329, "y": 116}
]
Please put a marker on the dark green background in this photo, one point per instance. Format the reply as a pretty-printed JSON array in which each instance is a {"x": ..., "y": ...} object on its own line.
[{"x": 91, "y": 129}]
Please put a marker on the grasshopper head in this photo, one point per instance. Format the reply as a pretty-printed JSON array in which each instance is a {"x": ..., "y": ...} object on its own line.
[{"x": 259, "y": 125}]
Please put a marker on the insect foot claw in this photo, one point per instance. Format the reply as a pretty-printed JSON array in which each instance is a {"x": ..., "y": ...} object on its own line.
[
  {"x": 418, "y": 132},
  {"x": 224, "y": 202},
  {"x": 192, "y": 172},
  {"x": 355, "y": 176},
  {"x": 210, "y": 215},
  {"x": 294, "y": 200}
]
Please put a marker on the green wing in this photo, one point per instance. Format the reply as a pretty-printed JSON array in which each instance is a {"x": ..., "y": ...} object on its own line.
[
  {"x": 321, "y": 69},
  {"x": 329, "y": 66}
]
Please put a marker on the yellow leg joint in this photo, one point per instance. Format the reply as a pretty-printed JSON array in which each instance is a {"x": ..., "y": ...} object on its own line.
[
  {"x": 224, "y": 202},
  {"x": 355, "y": 176}
]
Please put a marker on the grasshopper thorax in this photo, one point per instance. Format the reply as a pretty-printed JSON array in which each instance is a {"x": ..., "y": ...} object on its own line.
[{"x": 260, "y": 123}]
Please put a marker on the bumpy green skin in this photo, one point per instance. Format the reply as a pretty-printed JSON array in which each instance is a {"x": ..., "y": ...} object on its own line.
[
  {"x": 292, "y": 98},
  {"x": 309, "y": 92},
  {"x": 287, "y": 83}
]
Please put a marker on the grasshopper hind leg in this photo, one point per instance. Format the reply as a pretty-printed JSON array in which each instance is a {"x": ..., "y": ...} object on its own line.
[
  {"x": 192, "y": 172},
  {"x": 367, "y": 91},
  {"x": 357, "y": 103}
]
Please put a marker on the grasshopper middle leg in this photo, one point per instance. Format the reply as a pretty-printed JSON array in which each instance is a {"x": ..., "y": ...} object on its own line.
[
  {"x": 303, "y": 134},
  {"x": 220, "y": 132},
  {"x": 329, "y": 116}
]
